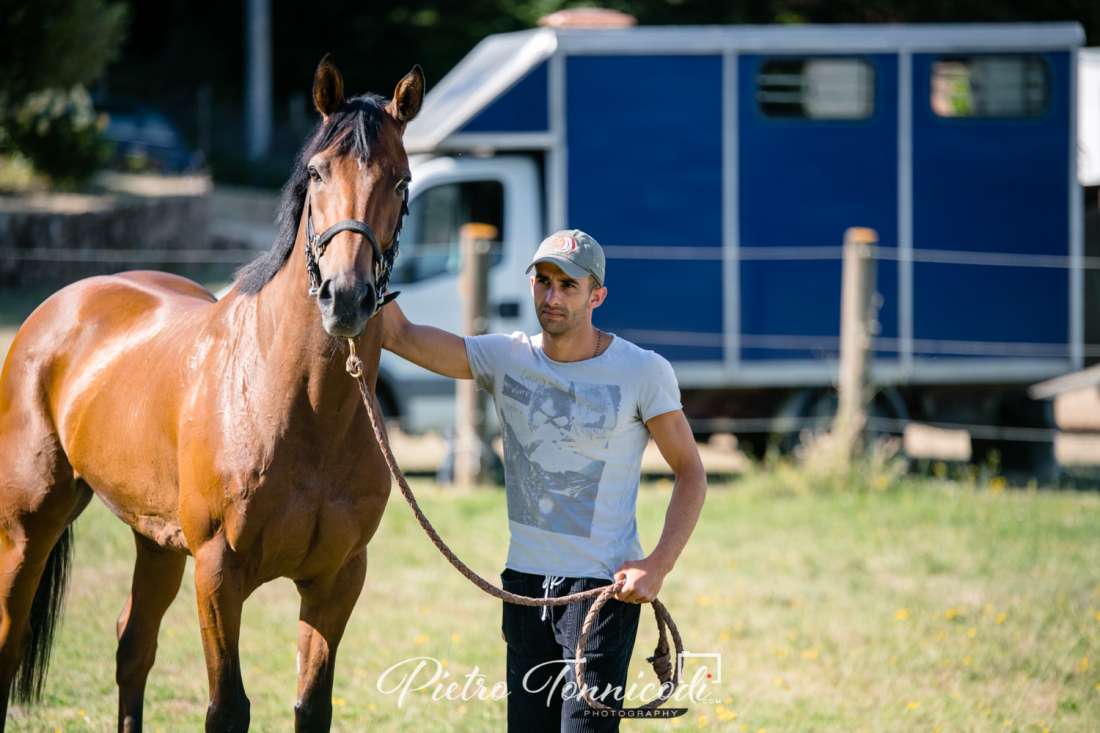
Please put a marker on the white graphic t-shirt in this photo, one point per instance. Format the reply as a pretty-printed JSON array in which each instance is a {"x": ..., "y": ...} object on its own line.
[{"x": 573, "y": 435}]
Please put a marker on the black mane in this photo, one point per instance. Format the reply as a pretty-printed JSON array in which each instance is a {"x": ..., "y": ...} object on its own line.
[{"x": 352, "y": 130}]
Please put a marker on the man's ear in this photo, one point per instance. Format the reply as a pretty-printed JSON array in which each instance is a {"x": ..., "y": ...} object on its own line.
[
  {"x": 598, "y": 296},
  {"x": 407, "y": 96},
  {"x": 328, "y": 87}
]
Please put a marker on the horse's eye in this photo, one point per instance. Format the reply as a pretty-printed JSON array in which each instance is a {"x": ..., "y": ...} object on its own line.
[
  {"x": 402, "y": 186},
  {"x": 313, "y": 174}
]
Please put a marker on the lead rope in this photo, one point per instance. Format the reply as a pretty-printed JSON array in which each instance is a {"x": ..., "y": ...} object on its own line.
[{"x": 667, "y": 672}]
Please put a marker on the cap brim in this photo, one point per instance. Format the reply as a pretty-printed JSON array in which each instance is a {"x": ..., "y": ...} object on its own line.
[{"x": 569, "y": 267}]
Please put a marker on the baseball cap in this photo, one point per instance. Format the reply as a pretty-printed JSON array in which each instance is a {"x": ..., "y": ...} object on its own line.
[{"x": 577, "y": 253}]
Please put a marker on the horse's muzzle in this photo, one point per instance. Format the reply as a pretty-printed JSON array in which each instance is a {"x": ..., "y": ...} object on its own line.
[{"x": 346, "y": 305}]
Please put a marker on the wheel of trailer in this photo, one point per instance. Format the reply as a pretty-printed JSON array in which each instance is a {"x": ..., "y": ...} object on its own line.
[
  {"x": 814, "y": 408},
  {"x": 1019, "y": 460}
]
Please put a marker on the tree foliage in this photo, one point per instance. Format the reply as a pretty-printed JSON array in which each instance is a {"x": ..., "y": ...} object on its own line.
[
  {"x": 50, "y": 51},
  {"x": 57, "y": 44}
]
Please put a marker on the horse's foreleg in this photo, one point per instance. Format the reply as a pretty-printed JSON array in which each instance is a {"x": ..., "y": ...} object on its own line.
[
  {"x": 220, "y": 591},
  {"x": 157, "y": 576},
  {"x": 326, "y": 606}
]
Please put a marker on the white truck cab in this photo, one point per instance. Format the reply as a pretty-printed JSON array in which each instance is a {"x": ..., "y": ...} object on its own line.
[{"x": 445, "y": 194}]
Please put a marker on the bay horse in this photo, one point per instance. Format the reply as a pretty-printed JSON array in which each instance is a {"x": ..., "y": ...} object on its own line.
[{"x": 226, "y": 430}]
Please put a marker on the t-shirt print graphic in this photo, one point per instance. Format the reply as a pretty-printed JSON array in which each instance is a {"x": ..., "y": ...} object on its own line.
[{"x": 549, "y": 436}]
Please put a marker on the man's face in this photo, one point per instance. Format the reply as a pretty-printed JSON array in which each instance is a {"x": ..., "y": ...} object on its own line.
[{"x": 563, "y": 303}]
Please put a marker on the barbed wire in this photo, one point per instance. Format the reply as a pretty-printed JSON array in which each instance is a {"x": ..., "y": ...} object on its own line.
[
  {"x": 123, "y": 256},
  {"x": 830, "y": 345},
  {"x": 752, "y": 253},
  {"x": 893, "y": 426},
  {"x": 825, "y": 346}
]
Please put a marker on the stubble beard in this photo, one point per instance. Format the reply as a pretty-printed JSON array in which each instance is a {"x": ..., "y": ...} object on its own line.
[{"x": 558, "y": 327}]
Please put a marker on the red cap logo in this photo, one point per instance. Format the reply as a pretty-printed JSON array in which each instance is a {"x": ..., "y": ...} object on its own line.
[{"x": 566, "y": 243}]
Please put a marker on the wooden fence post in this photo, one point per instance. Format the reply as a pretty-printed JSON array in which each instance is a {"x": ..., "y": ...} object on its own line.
[
  {"x": 857, "y": 316},
  {"x": 469, "y": 441}
]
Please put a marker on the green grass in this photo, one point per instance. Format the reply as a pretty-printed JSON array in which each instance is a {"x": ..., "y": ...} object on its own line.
[{"x": 926, "y": 606}]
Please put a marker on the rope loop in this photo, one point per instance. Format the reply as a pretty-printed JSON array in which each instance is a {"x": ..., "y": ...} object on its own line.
[{"x": 354, "y": 365}]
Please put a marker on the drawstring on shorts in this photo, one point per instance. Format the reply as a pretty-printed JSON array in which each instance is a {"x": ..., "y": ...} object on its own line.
[{"x": 550, "y": 581}]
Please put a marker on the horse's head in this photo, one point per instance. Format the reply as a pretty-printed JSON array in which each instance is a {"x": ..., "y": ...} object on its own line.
[{"x": 356, "y": 194}]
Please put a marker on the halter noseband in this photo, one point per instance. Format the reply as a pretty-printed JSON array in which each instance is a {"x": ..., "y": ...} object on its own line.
[{"x": 383, "y": 261}]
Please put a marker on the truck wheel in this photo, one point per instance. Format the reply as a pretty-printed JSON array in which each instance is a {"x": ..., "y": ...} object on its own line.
[{"x": 814, "y": 408}]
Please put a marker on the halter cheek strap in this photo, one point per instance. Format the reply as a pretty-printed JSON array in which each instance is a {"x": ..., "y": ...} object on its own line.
[{"x": 383, "y": 262}]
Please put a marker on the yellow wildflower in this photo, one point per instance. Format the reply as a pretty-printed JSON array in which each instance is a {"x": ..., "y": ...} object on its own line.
[
  {"x": 723, "y": 635},
  {"x": 725, "y": 714},
  {"x": 951, "y": 613},
  {"x": 456, "y": 637},
  {"x": 702, "y": 721},
  {"x": 704, "y": 600},
  {"x": 997, "y": 484},
  {"x": 339, "y": 702},
  {"x": 913, "y": 705},
  {"x": 902, "y": 614},
  {"x": 971, "y": 632},
  {"x": 421, "y": 639},
  {"x": 809, "y": 654},
  {"x": 1083, "y": 665},
  {"x": 1001, "y": 617}
]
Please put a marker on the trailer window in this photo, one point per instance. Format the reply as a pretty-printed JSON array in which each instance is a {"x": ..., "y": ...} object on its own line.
[
  {"x": 816, "y": 88},
  {"x": 429, "y": 243},
  {"x": 990, "y": 86}
]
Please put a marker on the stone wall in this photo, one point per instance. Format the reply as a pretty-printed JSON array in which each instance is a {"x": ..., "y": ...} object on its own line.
[{"x": 128, "y": 222}]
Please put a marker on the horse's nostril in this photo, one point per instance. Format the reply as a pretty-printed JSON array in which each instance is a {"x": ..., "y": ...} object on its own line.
[
  {"x": 369, "y": 298},
  {"x": 325, "y": 293}
]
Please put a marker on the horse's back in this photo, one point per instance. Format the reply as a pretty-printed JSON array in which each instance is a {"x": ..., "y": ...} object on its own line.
[{"x": 85, "y": 316}]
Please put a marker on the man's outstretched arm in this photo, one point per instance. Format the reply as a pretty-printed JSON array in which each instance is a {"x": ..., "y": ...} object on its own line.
[
  {"x": 432, "y": 348},
  {"x": 674, "y": 439}
]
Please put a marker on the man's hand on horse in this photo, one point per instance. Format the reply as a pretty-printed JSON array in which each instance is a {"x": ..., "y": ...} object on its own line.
[{"x": 643, "y": 579}]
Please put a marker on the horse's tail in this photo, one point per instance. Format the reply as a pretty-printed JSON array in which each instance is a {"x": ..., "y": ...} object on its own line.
[{"x": 28, "y": 682}]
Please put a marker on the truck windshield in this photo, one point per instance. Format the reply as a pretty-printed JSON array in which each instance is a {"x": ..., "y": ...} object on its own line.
[{"x": 429, "y": 244}]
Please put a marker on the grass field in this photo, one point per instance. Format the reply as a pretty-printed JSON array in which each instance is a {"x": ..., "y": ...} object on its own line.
[{"x": 925, "y": 606}]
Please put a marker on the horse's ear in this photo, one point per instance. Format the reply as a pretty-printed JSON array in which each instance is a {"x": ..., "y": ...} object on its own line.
[
  {"x": 407, "y": 96},
  {"x": 328, "y": 87}
]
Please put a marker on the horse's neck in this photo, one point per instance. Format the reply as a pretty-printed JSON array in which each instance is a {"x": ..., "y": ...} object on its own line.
[{"x": 299, "y": 359}]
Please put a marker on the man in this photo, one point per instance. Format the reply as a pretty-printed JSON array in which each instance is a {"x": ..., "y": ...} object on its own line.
[{"x": 577, "y": 406}]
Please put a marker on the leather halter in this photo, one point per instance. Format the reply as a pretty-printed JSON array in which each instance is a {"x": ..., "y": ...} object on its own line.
[{"x": 316, "y": 245}]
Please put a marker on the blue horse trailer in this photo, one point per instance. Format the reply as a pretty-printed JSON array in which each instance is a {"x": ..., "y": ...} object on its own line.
[{"x": 720, "y": 167}]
